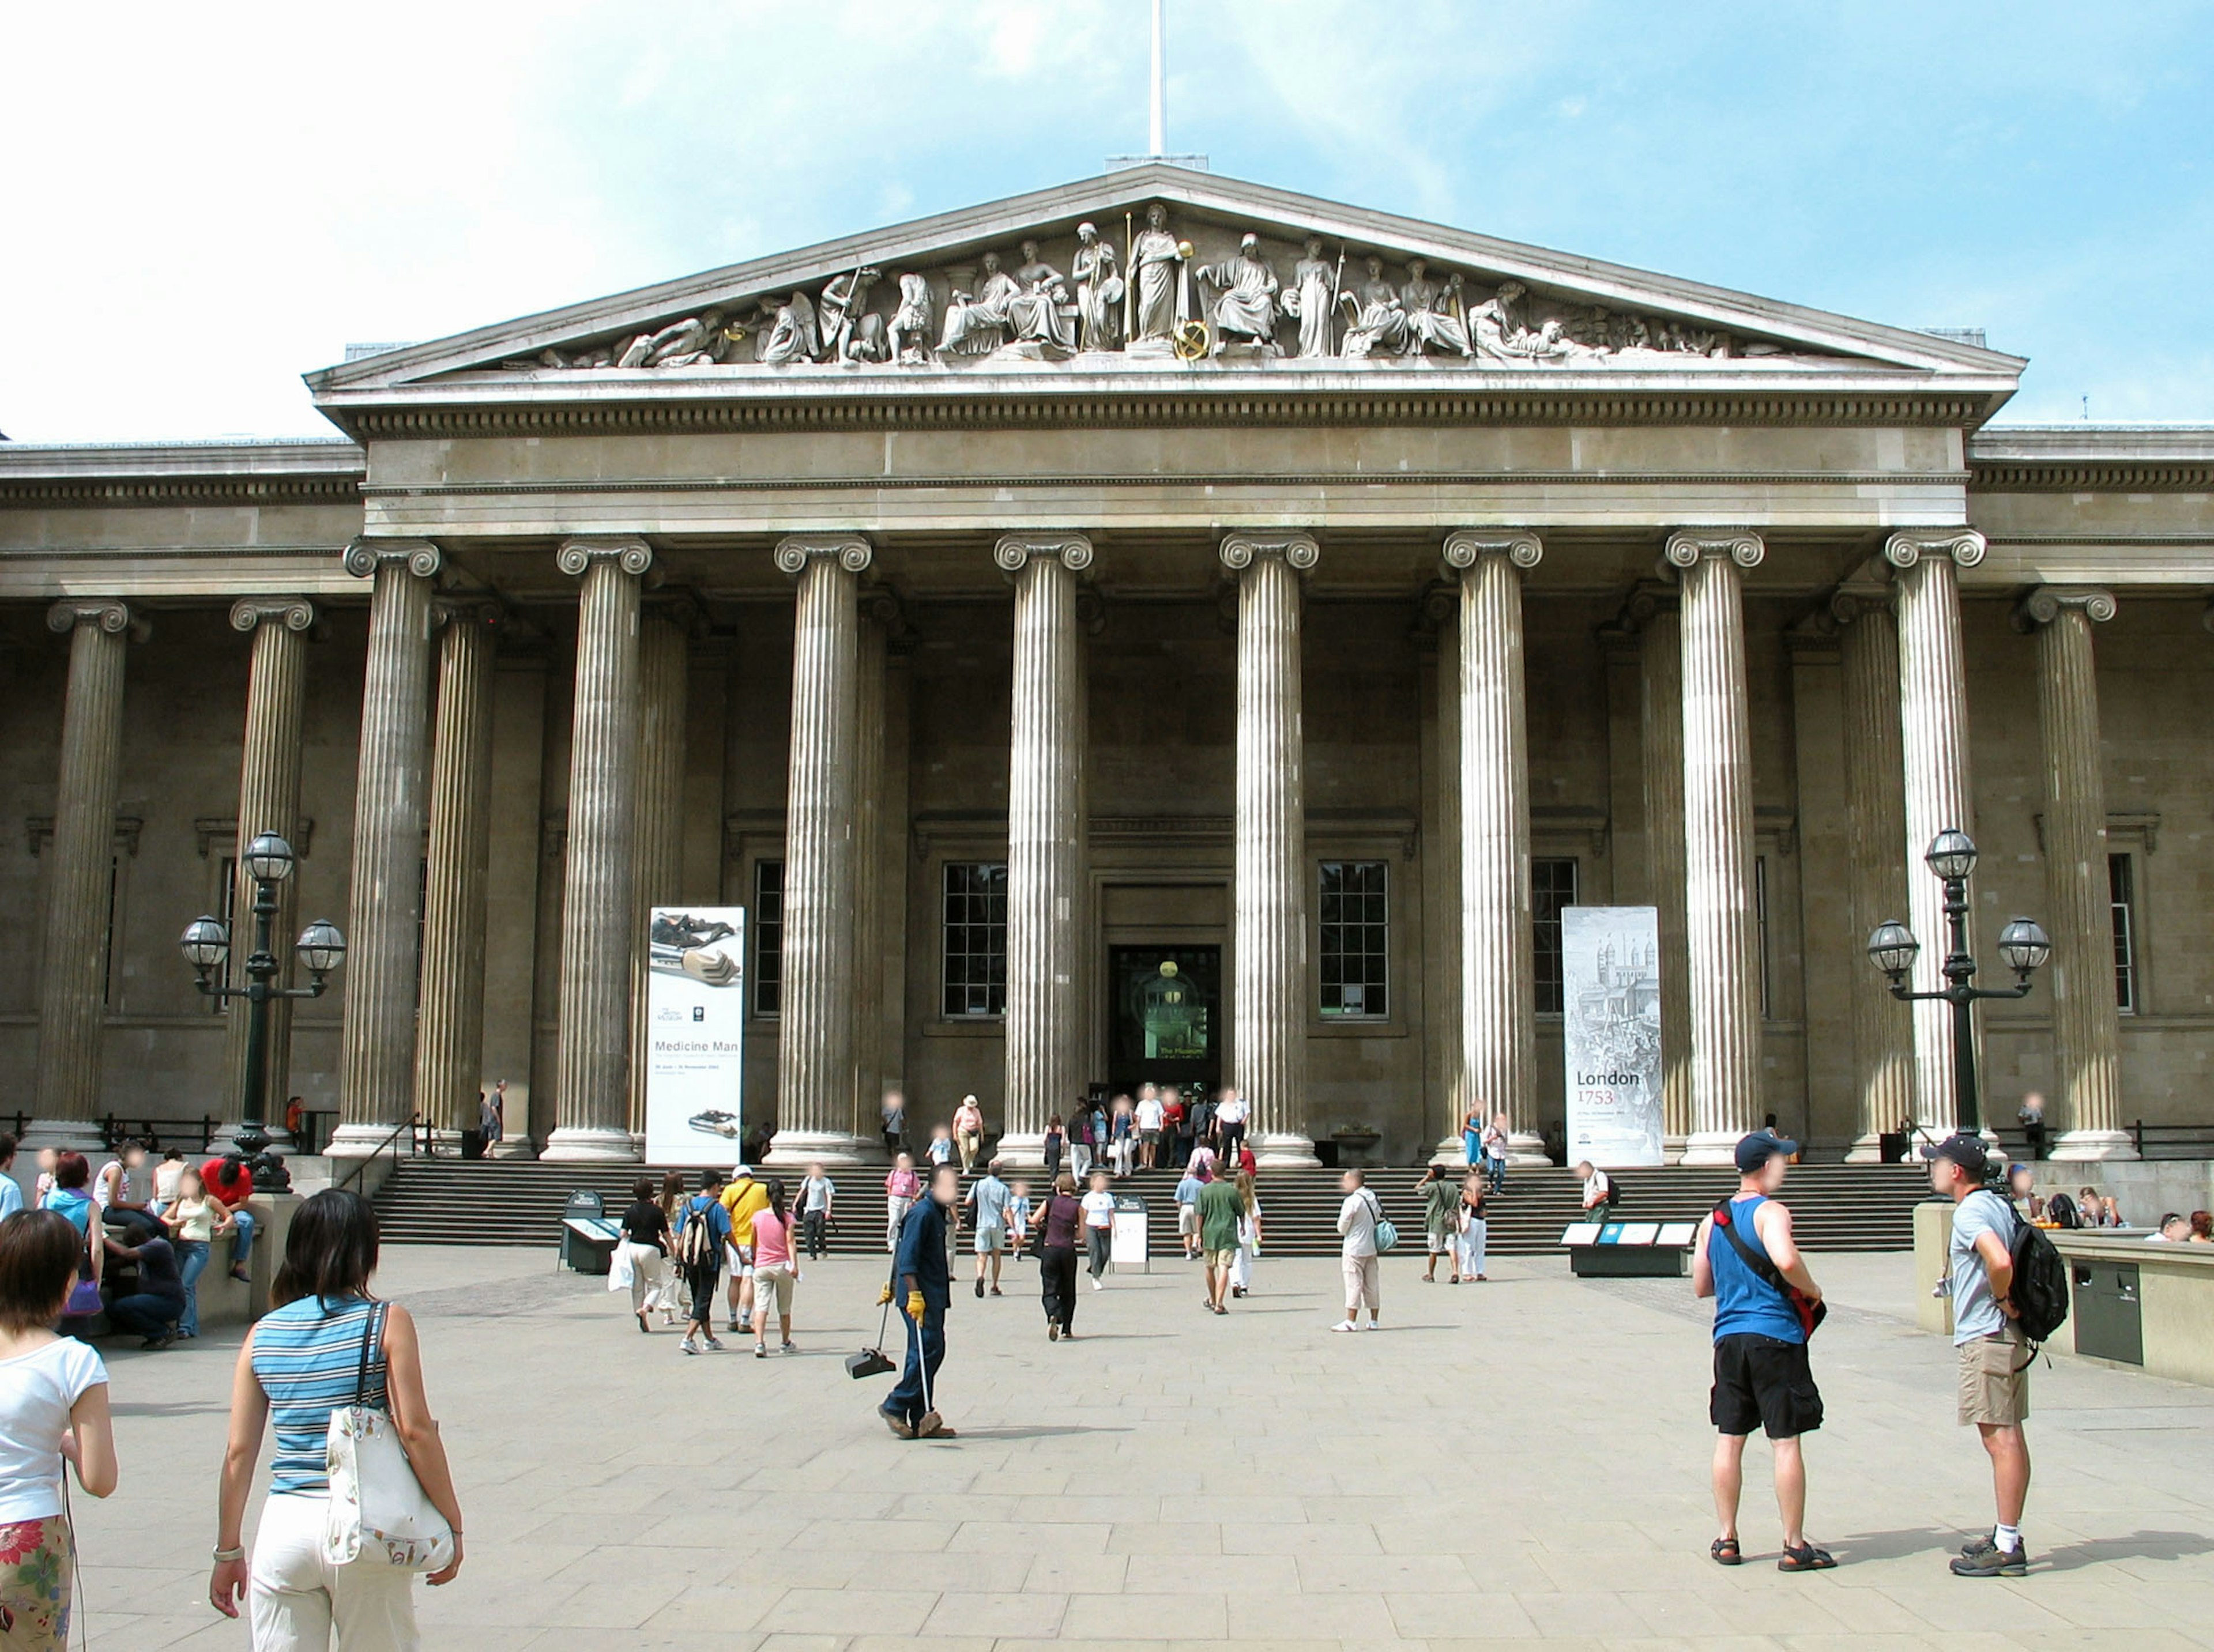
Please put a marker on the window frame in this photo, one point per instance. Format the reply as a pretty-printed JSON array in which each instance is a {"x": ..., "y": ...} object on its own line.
[
  {"x": 1540, "y": 923},
  {"x": 759, "y": 930},
  {"x": 2122, "y": 904},
  {"x": 1375, "y": 936},
  {"x": 991, "y": 927}
]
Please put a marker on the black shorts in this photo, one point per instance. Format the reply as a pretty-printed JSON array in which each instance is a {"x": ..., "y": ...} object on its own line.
[{"x": 1761, "y": 1380}]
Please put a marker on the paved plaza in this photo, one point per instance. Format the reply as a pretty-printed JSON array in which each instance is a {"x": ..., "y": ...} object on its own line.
[{"x": 1521, "y": 1460}]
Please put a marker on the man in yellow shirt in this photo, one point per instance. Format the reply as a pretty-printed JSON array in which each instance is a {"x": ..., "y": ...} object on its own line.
[{"x": 744, "y": 1198}]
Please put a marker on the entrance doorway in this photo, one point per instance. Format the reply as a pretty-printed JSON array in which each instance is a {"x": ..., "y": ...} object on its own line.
[{"x": 1163, "y": 1016}]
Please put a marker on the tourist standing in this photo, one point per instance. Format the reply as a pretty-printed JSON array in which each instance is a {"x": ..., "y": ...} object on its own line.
[
  {"x": 675, "y": 1296},
  {"x": 1122, "y": 1135},
  {"x": 1098, "y": 1227},
  {"x": 1994, "y": 1365},
  {"x": 1440, "y": 1202},
  {"x": 1056, "y": 1144},
  {"x": 774, "y": 1270},
  {"x": 1358, "y": 1255},
  {"x": 1473, "y": 1228},
  {"x": 1059, "y": 1220},
  {"x": 1080, "y": 1142},
  {"x": 1471, "y": 1136},
  {"x": 326, "y": 1337},
  {"x": 1746, "y": 1259},
  {"x": 902, "y": 1186},
  {"x": 2032, "y": 1117},
  {"x": 1249, "y": 1236},
  {"x": 1495, "y": 1152},
  {"x": 744, "y": 1198},
  {"x": 895, "y": 1126},
  {"x": 54, "y": 1411},
  {"x": 644, "y": 1246},
  {"x": 969, "y": 1132},
  {"x": 1222, "y": 1208},
  {"x": 1188, "y": 1190},
  {"x": 939, "y": 1148},
  {"x": 1150, "y": 1117},
  {"x": 922, "y": 1286},
  {"x": 1176, "y": 1126},
  {"x": 703, "y": 1234},
  {"x": 818, "y": 1197},
  {"x": 1230, "y": 1124},
  {"x": 989, "y": 1198},
  {"x": 193, "y": 1220}
]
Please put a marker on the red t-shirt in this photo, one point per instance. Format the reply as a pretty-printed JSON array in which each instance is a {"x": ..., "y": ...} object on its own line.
[{"x": 230, "y": 1184}]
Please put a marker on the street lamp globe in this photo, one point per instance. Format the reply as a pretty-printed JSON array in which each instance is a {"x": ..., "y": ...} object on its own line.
[
  {"x": 1893, "y": 947},
  {"x": 269, "y": 857},
  {"x": 2024, "y": 946},
  {"x": 1951, "y": 855},
  {"x": 320, "y": 946},
  {"x": 205, "y": 944}
]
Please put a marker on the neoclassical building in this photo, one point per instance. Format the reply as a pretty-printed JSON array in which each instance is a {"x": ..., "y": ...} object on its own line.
[{"x": 1161, "y": 627}]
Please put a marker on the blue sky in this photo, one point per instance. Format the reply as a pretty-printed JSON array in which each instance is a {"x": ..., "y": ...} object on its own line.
[{"x": 204, "y": 202}]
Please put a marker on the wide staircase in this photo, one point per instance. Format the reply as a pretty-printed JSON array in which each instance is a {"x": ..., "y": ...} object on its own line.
[{"x": 1834, "y": 1207}]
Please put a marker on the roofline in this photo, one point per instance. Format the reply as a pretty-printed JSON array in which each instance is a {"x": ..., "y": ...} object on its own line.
[{"x": 297, "y": 470}]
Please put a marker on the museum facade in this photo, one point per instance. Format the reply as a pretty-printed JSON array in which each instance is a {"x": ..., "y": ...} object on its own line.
[{"x": 1157, "y": 628}]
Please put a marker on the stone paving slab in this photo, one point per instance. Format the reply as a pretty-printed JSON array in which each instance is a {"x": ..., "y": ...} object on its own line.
[{"x": 1517, "y": 1462}]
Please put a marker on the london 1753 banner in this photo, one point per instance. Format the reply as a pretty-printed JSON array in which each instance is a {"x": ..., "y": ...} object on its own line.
[
  {"x": 696, "y": 1005},
  {"x": 1611, "y": 1013}
]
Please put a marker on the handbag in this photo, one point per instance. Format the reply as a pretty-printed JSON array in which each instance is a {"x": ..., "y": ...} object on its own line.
[
  {"x": 378, "y": 1508},
  {"x": 84, "y": 1294},
  {"x": 1387, "y": 1235}
]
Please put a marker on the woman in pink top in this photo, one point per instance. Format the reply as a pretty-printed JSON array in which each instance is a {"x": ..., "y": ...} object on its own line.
[
  {"x": 901, "y": 1189},
  {"x": 774, "y": 1273}
]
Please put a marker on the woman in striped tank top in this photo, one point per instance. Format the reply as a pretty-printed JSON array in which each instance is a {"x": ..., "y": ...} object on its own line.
[{"x": 302, "y": 1360}]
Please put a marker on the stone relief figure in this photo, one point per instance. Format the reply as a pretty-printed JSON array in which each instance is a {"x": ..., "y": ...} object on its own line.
[
  {"x": 1312, "y": 300},
  {"x": 1433, "y": 324},
  {"x": 907, "y": 337},
  {"x": 791, "y": 335},
  {"x": 1246, "y": 307},
  {"x": 842, "y": 317},
  {"x": 1035, "y": 312},
  {"x": 976, "y": 324},
  {"x": 1500, "y": 330},
  {"x": 694, "y": 342},
  {"x": 1098, "y": 291},
  {"x": 1156, "y": 300},
  {"x": 1382, "y": 328}
]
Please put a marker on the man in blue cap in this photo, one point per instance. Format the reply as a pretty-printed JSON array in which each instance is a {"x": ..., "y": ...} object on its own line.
[{"x": 1765, "y": 1302}]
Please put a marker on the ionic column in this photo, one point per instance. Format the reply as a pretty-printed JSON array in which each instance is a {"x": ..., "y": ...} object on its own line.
[
  {"x": 1268, "y": 995},
  {"x": 1933, "y": 715},
  {"x": 1498, "y": 1012},
  {"x": 1722, "y": 939},
  {"x": 1875, "y": 877},
  {"x": 449, "y": 1024},
  {"x": 1441, "y": 892},
  {"x": 1045, "y": 838},
  {"x": 591, "y": 1065},
  {"x": 664, "y": 667},
  {"x": 72, "y": 1000},
  {"x": 2086, "y": 1025},
  {"x": 377, "y": 1037},
  {"x": 269, "y": 801},
  {"x": 878, "y": 610},
  {"x": 814, "y": 1076},
  {"x": 1660, "y": 700}
]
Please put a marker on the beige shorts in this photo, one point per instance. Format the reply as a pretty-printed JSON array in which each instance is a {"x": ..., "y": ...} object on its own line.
[
  {"x": 774, "y": 1279},
  {"x": 1991, "y": 1390},
  {"x": 1186, "y": 1221},
  {"x": 1221, "y": 1259}
]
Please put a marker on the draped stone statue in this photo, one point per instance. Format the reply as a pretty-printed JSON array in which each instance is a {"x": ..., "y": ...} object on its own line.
[
  {"x": 1034, "y": 311},
  {"x": 1098, "y": 290},
  {"x": 843, "y": 318},
  {"x": 1312, "y": 300},
  {"x": 791, "y": 335},
  {"x": 907, "y": 337},
  {"x": 1433, "y": 324},
  {"x": 1157, "y": 302},
  {"x": 695, "y": 341},
  {"x": 1246, "y": 308},
  {"x": 977, "y": 324},
  {"x": 1382, "y": 329}
]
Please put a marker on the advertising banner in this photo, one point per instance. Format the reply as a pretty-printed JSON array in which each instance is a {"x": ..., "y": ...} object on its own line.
[
  {"x": 696, "y": 1009},
  {"x": 1610, "y": 1021}
]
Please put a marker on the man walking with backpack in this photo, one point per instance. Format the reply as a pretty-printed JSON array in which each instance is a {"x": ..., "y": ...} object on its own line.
[{"x": 1747, "y": 1260}]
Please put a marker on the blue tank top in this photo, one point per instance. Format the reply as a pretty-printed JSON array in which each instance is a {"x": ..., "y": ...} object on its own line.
[
  {"x": 1745, "y": 1303},
  {"x": 307, "y": 1356}
]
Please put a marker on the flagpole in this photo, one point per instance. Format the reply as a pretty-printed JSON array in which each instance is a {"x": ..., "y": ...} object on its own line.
[{"x": 1160, "y": 103}]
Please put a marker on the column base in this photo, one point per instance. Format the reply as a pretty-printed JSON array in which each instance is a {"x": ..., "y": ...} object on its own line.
[
  {"x": 1672, "y": 1149},
  {"x": 1525, "y": 1150},
  {"x": 1023, "y": 1152},
  {"x": 789, "y": 1148},
  {"x": 2091, "y": 1146},
  {"x": 1284, "y": 1150},
  {"x": 66, "y": 1135},
  {"x": 1865, "y": 1149},
  {"x": 368, "y": 1141},
  {"x": 1712, "y": 1147},
  {"x": 1453, "y": 1152},
  {"x": 591, "y": 1144}
]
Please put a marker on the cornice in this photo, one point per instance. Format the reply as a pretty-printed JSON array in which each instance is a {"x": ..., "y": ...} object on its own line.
[
  {"x": 2082, "y": 475},
  {"x": 36, "y": 474}
]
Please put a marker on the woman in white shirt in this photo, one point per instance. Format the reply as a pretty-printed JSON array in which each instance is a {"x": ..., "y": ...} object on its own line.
[
  {"x": 1249, "y": 1239},
  {"x": 53, "y": 1409},
  {"x": 1099, "y": 1226}
]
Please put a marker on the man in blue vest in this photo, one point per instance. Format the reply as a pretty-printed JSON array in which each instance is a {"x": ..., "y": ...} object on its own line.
[
  {"x": 1764, "y": 1298},
  {"x": 922, "y": 1285}
]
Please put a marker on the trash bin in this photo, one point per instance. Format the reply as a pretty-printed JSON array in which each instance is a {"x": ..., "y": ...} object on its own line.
[
  {"x": 472, "y": 1144},
  {"x": 2108, "y": 1312},
  {"x": 1126, "y": 1242},
  {"x": 1891, "y": 1147}
]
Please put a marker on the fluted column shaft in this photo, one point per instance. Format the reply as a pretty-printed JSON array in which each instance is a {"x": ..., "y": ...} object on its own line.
[
  {"x": 663, "y": 682},
  {"x": 1660, "y": 684},
  {"x": 591, "y": 1071},
  {"x": 2086, "y": 1025},
  {"x": 1268, "y": 1026},
  {"x": 449, "y": 1024},
  {"x": 1498, "y": 1005},
  {"x": 73, "y": 996},
  {"x": 871, "y": 663},
  {"x": 269, "y": 801},
  {"x": 815, "y": 1062},
  {"x": 1441, "y": 921},
  {"x": 376, "y": 1038},
  {"x": 1933, "y": 713},
  {"x": 1875, "y": 877},
  {"x": 1722, "y": 941},
  {"x": 1045, "y": 832}
]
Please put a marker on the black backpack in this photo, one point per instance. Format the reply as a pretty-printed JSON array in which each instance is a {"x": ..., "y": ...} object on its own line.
[
  {"x": 2061, "y": 1209},
  {"x": 2039, "y": 1291},
  {"x": 1613, "y": 1188}
]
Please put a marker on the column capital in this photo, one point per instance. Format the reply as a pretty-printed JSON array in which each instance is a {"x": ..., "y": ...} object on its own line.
[
  {"x": 109, "y": 613},
  {"x": 795, "y": 551},
  {"x": 466, "y": 608},
  {"x": 1849, "y": 604},
  {"x": 250, "y": 613},
  {"x": 1964, "y": 546},
  {"x": 2042, "y": 605},
  {"x": 1299, "y": 552},
  {"x": 1013, "y": 550},
  {"x": 1688, "y": 546},
  {"x": 364, "y": 556},
  {"x": 633, "y": 555},
  {"x": 1464, "y": 546}
]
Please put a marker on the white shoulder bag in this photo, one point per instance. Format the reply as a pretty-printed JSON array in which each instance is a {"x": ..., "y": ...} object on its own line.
[{"x": 378, "y": 1511}]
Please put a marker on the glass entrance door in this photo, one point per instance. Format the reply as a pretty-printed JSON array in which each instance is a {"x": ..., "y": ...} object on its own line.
[{"x": 1164, "y": 1008}]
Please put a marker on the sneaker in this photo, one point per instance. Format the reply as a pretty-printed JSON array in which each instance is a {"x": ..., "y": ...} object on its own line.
[
  {"x": 787, "y": 1346},
  {"x": 685, "y": 1346},
  {"x": 1994, "y": 1562},
  {"x": 154, "y": 1344},
  {"x": 760, "y": 1350},
  {"x": 1098, "y": 1285},
  {"x": 1345, "y": 1324},
  {"x": 1372, "y": 1325},
  {"x": 715, "y": 1344},
  {"x": 1981, "y": 1542}
]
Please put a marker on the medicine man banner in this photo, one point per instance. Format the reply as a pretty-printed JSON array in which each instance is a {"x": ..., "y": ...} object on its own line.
[
  {"x": 1611, "y": 1003},
  {"x": 695, "y": 1008}
]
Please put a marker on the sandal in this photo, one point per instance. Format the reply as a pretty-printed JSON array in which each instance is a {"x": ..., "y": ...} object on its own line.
[
  {"x": 1726, "y": 1551},
  {"x": 1805, "y": 1558}
]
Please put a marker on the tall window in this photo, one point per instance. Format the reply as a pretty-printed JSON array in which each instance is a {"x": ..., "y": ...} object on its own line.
[
  {"x": 2122, "y": 890},
  {"x": 1552, "y": 886},
  {"x": 767, "y": 921},
  {"x": 226, "y": 908},
  {"x": 976, "y": 938},
  {"x": 1356, "y": 936},
  {"x": 1760, "y": 926},
  {"x": 108, "y": 942}
]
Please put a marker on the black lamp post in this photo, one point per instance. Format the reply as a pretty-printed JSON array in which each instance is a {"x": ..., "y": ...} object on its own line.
[
  {"x": 206, "y": 943},
  {"x": 2022, "y": 945}
]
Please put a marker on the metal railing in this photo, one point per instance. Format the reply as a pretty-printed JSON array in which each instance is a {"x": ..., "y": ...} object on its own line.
[
  {"x": 2172, "y": 1141},
  {"x": 414, "y": 1123}
]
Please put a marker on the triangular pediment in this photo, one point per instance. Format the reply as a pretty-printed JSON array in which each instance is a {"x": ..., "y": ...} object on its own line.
[{"x": 1075, "y": 281}]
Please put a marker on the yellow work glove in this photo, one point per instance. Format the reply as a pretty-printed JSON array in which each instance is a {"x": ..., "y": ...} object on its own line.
[
  {"x": 884, "y": 1297},
  {"x": 915, "y": 1305}
]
